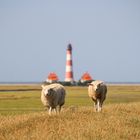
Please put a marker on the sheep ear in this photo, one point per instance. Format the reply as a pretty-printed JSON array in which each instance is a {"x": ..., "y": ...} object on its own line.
[{"x": 100, "y": 84}]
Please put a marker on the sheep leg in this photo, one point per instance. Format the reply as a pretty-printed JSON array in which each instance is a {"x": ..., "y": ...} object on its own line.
[
  {"x": 59, "y": 109},
  {"x": 98, "y": 106},
  {"x": 55, "y": 110},
  {"x": 101, "y": 103},
  {"x": 50, "y": 110},
  {"x": 95, "y": 106}
]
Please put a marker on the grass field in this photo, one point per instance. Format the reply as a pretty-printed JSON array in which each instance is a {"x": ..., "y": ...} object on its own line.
[{"x": 23, "y": 117}]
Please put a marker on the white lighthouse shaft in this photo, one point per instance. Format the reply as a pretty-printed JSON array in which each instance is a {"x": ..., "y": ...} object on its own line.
[{"x": 69, "y": 68}]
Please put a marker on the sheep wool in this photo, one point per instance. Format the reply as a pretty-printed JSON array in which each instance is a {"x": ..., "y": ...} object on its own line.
[
  {"x": 52, "y": 96},
  {"x": 97, "y": 91}
]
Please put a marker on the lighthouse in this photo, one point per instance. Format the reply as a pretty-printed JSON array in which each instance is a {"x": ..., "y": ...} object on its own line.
[{"x": 69, "y": 64}]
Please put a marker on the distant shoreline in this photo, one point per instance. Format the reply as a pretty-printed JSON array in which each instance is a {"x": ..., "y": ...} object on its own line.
[
  {"x": 39, "y": 83},
  {"x": 20, "y": 83}
]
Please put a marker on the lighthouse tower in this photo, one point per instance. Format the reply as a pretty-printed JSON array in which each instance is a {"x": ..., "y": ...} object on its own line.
[{"x": 69, "y": 68}]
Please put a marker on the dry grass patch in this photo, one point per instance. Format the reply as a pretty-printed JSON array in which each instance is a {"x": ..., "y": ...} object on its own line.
[{"x": 117, "y": 121}]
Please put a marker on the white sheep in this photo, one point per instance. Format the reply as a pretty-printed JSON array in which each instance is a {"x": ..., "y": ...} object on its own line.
[
  {"x": 97, "y": 91},
  {"x": 52, "y": 96}
]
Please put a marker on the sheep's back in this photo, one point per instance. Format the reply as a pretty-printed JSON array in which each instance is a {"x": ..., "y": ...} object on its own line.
[
  {"x": 102, "y": 90},
  {"x": 60, "y": 95}
]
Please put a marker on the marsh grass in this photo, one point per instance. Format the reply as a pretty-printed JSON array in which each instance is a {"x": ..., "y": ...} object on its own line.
[
  {"x": 29, "y": 101},
  {"x": 23, "y": 118}
]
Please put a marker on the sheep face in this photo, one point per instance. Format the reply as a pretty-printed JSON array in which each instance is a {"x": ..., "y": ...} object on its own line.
[
  {"x": 48, "y": 92},
  {"x": 98, "y": 88},
  {"x": 95, "y": 86}
]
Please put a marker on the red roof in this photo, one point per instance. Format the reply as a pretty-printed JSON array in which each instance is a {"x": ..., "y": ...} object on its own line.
[
  {"x": 52, "y": 76},
  {"x": 86, "y": 77}
]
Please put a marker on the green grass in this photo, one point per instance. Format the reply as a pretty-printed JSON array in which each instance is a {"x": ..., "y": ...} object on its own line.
[
  {"x": 29, "y": 101},
  {"x": 116, "y": 94}
]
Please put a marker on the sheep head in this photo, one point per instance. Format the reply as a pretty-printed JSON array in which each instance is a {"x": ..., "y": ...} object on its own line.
[
  {"x": 50, "y": 92},
  {"x": 47, "y": 92},
  {"x": 96, "y": 85}
]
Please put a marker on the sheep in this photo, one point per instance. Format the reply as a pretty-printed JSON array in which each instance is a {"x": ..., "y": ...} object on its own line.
[
  {"x": 52, "y": 96},
  {"x": 97, "y": 91}
]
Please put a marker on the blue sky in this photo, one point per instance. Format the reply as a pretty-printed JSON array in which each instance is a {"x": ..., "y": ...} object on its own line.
[{"x": 105, "y": 35}]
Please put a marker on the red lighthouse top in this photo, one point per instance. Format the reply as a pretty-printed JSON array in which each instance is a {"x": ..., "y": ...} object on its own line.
[{"x": 69, "y": 47}]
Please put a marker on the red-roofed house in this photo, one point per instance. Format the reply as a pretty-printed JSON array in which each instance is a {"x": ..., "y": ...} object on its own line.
[
  {"x": 86, "y": 77},
  {"x": 52, "y": 77}
]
